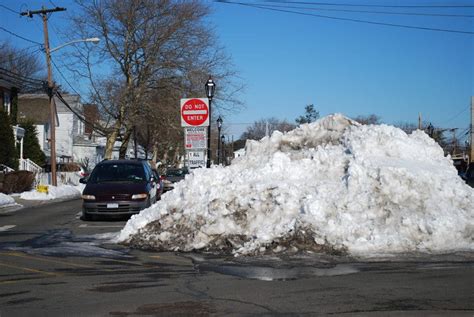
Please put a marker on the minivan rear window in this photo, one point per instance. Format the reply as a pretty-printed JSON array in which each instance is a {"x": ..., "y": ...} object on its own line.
[{"x": 117, "y": 173}]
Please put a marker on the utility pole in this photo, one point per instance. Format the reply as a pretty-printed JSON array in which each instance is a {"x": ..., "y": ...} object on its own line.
[
  {"x": 471, "y": 156},
  {"x": 44, "y": 13},
  {"x": 419, "y": 121}
]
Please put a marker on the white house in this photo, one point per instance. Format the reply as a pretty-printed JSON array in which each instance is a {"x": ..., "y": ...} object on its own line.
[
  {"x": 75, "y": 140},
  {"x": 70, "y": 129}
]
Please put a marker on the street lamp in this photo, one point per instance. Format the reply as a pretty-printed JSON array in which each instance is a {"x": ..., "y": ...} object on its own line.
[
  {"x": 94, "y": 40},
  {"x": 223, "y": 149},
  {"x": 52, "y": 120},
  {"x": 430, "y": 130},
  {"x": 219, "y": 126},
  {"x": 210, "y": 88}
]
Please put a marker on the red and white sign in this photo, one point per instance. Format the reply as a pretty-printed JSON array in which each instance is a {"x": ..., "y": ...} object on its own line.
[{"x": 195, "y": 112}]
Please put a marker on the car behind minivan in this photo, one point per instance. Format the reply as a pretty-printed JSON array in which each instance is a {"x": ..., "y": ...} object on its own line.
[{"x": 118, "y": 188}]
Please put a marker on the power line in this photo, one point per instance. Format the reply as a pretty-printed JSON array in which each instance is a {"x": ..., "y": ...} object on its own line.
[
  {"x": 368, "y": 11},
  {"x": 20, "y": 54},
  {"x": 7, "y": 8},
  {"x": 372, "y": 5},
  {"x": 64, "y": 77},
  {"x": 21, "y": 77},
  {"x": 349, "y": 19},
  {"x": 94, "y": 126},
  {"x": 456, "y": 115},
  {"x": 19, "y": 36}
]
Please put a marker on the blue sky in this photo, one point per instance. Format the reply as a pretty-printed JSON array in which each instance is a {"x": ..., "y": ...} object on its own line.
[{"x": 288, "y": 61}]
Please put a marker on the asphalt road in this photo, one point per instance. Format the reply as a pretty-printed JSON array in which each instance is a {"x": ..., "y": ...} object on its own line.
[{"x": 54, "y": 264}]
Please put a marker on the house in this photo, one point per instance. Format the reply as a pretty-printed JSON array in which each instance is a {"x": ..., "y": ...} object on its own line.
[
  {"x": 72, "y": 143},
  {"x": 8, "y": 93},
  {"x": 76, "y": 141}
]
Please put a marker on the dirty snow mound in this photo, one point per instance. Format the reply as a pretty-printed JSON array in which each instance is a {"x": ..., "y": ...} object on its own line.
[{"x": 329, "y": 186}]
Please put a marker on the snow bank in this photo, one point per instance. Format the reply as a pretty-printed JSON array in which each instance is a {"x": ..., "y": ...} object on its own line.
[
  {"x": 6, "y": 200},
  {"x": 59, "y": 192},
  {"x": 330, "y": 186}
]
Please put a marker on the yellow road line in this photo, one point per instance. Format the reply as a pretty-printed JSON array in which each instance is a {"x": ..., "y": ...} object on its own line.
[{"x": 29, "y": 269}]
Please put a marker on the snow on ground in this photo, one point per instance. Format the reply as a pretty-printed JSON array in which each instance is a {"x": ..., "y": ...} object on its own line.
[
  {"x": 6, "y": 200},
  {"x": 59, "y": 192},
  {"x": 329, "y": 186}
]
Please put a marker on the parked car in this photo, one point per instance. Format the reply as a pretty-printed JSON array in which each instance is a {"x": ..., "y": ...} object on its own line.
[
  {"x": 469, "y": 175},
  {"x": 117, "y": 188},
  {"x": 173, "y": 175}
]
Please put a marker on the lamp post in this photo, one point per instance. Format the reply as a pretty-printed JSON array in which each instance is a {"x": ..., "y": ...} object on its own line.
[
  {"x": 219, "y": 126},
  {"x": 223, "y": 149},
  {"x": 430, "y": 130},
  {"x": 52, "y": 120},
  {"x": 210, "y": 87}
]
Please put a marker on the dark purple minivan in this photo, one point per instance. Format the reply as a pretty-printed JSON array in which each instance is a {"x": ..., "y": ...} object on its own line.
[{"x": 118, "y": 187}]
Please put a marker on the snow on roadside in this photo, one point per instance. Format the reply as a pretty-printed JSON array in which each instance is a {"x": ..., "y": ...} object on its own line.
[
  {"x": 332, "y": 185},
  {"x": 6, "y": 201},
  {"x": 54, "y": 192}
]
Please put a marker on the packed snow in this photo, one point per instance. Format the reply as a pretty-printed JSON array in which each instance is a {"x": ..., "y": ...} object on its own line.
[
  {"x": 330, "y": 186},
  {"x": 6, "y": 200},
  {"x": 54, "y": 192}
]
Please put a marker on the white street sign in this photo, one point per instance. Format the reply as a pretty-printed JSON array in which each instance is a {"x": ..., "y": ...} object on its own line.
[
  {"x": 195, "y": 138},
  {"x": 196, "y": 159}
]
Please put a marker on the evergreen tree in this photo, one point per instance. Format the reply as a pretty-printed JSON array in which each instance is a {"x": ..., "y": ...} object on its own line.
[
  {"x": 310, "y": 115},
  {"x": 31, "y": 147},
  {"x": 8, "y": 153}
]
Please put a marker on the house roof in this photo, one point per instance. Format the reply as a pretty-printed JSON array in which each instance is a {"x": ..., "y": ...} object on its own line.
[{"x": 35, "y": 107}]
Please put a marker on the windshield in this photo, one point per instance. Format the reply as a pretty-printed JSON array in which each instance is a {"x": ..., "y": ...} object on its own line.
[
  {"x": 117, "y": 173},
  {"x": 176, "y": 172}
]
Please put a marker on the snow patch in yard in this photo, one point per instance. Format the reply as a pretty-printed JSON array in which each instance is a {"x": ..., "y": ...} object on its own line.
[
  {"x": 59, "y": 192},
  {"x": 330, "y": 186}
]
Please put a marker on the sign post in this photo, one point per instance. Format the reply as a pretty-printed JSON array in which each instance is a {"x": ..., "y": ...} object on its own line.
[{"x": 195, "y": 120}]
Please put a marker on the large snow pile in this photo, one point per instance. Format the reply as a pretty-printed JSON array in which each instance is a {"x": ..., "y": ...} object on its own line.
[
  {"x": 331, "y": 186},
  {"x": 54, "y": 192}
]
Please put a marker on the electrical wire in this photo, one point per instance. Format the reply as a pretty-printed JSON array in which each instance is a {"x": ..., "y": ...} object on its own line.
[
  {"x": 20, "y": 55},
  {"x": 19, "y": 36},
  {"x": 97, "y": 129},
  {"x": 64, "y": 77},
  {"x": 456, "y": 115},
  {"x": 83, "y": 119},
  {"x": 371, "y": 12},
  {"x": 20, "y": 77},
  {"x": 349, "y": 19},
  {"x": 373, "y": 5},
  {"x": 11, "y": 10}
]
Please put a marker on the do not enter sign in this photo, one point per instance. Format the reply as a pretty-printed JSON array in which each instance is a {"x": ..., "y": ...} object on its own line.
[{"x": 195, "y": 112}]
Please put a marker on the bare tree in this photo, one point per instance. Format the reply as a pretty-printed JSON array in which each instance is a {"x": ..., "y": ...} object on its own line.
[
  {"x": 147, "y": 46},
  {"x": 260, "y": 128},
  {"x": 19, "y": 61},
  {"x": 370, "y": 119}
]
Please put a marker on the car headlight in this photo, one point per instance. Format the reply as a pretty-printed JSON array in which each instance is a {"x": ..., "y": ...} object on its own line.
[
  {"x": 139, "y": 196},
  {"x": 88, "y": 197}
]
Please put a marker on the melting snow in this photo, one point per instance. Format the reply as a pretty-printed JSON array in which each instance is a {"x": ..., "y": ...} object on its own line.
[
  {"x": 329, "y": 186},
  {"x": 54, "y": 192}
]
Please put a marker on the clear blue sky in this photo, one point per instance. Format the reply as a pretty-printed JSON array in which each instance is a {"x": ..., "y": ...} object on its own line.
[{"x": 288, "y": 61}]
